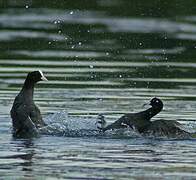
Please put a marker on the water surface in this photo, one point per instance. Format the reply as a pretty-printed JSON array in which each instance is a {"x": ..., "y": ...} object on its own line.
[{"x": 105, "y": 57}]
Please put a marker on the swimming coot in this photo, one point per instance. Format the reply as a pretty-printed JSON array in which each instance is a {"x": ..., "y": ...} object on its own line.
[
  {"x": 26, "y": 116},
  {"x": 140, "y": 120}
]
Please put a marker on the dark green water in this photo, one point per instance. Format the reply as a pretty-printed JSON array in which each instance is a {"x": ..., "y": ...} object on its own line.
[{"x": 104, "y": 56}]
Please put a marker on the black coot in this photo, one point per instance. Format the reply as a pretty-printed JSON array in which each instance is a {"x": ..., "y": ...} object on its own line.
[
  {"x": 26, "y": 116},
  {"x": 140, "y": 120}
]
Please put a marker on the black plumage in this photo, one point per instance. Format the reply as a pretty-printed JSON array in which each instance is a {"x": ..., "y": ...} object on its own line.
[
  {"x": 166, "y": 128},
  {"x": 26, "y": 116},
  {"x": 141, "y": 122}
]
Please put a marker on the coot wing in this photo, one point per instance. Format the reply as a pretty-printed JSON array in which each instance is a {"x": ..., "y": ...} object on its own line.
[
  {"x": 25, "y": 126},
  {"x": 166, "y": 128}
]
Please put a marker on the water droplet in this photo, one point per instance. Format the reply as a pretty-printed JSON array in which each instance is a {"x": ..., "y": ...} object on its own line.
[
  {"x": 49, "y": 42},
  {"x": 120, "y": 75},
  {"x": 59, "y": 31},
  {"x": 107, "y": 53},
  {"x": 91, "y": 66},
  {"x": 79, "y": 43},
  {"x": 71, "y": 12},
  {"x": 26, "y": 6},
  {"x": 72, "y": 47},
  {"x": 57, "y": 22},
  {"x": 140, "y": 43}
]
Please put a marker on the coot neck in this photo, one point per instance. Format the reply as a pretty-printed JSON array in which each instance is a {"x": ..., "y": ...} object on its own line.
[
  {"x": 152, "y": 112},
  {"x": 28, "y": 90}
]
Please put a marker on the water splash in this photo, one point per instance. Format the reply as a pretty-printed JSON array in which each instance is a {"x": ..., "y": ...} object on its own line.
[
  {"x": 190, "y": 127},
  {"x": 61, "y": 124}
]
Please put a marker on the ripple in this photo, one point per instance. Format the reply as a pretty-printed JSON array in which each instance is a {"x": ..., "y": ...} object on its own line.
[
  {"x": 175, "y": 50},
  {"x": 9, "y": 35},
  {"x": 191, "y": 37},
  {"x": 67, "y": 53},
  {"x": 177, "y": 80},
  {"x": 113, "y": 24},
  {"x": 91, "y": 64}
]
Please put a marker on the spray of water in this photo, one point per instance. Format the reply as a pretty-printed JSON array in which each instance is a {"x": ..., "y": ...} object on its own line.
[{"x": 62, "y": 124}]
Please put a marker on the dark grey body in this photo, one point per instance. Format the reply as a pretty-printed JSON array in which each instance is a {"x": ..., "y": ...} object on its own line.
[
  {"x": 146, "y": 127},
  {"x": 171, "y": 129},
  {"x": 26, "y": 116},
  {"x": 141, "y": 121}
]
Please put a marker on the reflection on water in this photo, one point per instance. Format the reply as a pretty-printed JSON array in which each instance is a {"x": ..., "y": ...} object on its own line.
[{"x": 109, "y": 57}]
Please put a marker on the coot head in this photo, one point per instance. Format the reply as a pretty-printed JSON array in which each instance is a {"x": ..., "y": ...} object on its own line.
[
  {"x": 156, "y": 103},
  {"x": 36, "y": 76}
]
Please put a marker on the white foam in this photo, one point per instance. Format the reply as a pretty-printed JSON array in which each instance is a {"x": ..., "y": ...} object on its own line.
[{"x": 62, "y": 124}]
